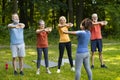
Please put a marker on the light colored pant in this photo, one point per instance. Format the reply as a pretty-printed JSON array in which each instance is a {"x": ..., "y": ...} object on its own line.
[
  {"x": 82, "y": 58},
  {"x": 18, "y": 50}
]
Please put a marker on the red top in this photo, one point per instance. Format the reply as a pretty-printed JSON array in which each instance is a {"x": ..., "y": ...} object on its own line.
[
  {"x": 42, "y": 39},
  {"x": 96, "y": 32}
]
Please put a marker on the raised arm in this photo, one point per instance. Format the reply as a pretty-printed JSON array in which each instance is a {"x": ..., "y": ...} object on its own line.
[
  {"x": 101, "y": 23},
  {"x": 11, "y": 26},
  {"x": 20, "y": 25},
  {"x": 67, "y": 24},
  {"x": 48, "y": 29},
  {"x": 39, "y": 30}
]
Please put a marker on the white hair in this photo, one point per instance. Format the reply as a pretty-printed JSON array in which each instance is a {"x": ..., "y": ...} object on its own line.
[
  {"x": 94, "y": 15},
  {"x": 41, "y": 22}
]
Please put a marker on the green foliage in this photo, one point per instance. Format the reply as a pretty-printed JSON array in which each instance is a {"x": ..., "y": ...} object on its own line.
[{"x": 4, "y": 35}]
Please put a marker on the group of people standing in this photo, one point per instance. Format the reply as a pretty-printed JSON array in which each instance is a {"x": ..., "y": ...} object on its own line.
[{"x": 90, "y": 30}]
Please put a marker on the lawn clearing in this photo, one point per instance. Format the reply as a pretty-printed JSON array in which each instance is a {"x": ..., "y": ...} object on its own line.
[{"x": 111, "y": 55}]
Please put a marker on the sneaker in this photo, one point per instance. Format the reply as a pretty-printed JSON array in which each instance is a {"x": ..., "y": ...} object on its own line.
[
  {"x": 73, "y": 69},
  {"x": 38, "y": 72},
  {"x": 58, "y": 71},
  {"x": 15, "y": 73},
  {"x": 92, "y": 67},
  {"x": 21, "y": 73},
  {"x": 48, "y": 71},
  {"x": 103, "y": 66}
]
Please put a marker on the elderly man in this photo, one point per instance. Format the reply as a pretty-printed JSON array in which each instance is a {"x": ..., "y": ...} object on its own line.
[
  {"x": 96, "y": 39},
  {"x": 17, "y": 42}
]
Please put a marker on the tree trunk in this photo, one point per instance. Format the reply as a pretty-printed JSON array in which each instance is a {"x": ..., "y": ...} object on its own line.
[
  {"x": 3, "y": 11},
  {"x": 15, "y": 6},
  {"x": 70, "y": 11},
  {"x": 79, "y": 12},
  {"x": 31, "y": 5},
  {"x": 63, "y": 12},
  {"x": 23, "y": 12}
]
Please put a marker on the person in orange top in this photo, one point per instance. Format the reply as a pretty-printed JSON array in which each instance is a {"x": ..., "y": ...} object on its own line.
[
  {"x": 64, "y": 42},
  {"x": 42, "y": 45},
  {"x": 96, "y": 39}
]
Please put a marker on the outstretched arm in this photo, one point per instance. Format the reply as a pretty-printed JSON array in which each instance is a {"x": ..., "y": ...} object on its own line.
[{"x": 69, "y": 32}]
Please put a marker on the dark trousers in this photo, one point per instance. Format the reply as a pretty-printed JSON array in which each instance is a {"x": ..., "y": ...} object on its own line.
[
  {"x": 62, "y": 46},
  {"x": 39, "y": 56}
]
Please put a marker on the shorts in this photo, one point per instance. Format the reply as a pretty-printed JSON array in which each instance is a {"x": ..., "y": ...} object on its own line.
[
  {"x": 96, "y": 44},
  {"x": 18, "y": 50}
]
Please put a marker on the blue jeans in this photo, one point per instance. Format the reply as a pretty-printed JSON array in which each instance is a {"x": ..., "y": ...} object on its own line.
[{"x": 39, "y": 55}]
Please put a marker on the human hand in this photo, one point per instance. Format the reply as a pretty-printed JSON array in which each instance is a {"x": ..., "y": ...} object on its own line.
[
  {"x": 69, "y": 24},
  {"x": 65, "y": 32},
  {"x": 20, "y": 25},
  {"x": 48, "y": 29}
]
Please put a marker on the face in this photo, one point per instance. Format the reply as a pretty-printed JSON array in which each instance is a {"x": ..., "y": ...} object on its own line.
[
  {"x": 15, "y": 18},
  {"x": 42, "y": 24},
  {"x": 62, "y": 20},
  {"x": 95, "y": 17}
]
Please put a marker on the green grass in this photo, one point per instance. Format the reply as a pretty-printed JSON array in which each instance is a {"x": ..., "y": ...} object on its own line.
[{"x": 111, "y": 52}]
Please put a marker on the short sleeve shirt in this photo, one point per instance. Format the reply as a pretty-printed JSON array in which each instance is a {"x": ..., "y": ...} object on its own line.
[
  {"x": 42, "y": 39},
  {"x": 96, "y": 32},
  {"x": 83, "y": 41},
  {"x": 63, "y": 37},
  {"x": 16, "y": 35}
]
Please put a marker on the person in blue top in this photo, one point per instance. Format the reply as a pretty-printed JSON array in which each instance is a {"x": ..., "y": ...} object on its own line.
[
  {"x": 17, "y": 42},
  {"x": 82, "y": 53}
]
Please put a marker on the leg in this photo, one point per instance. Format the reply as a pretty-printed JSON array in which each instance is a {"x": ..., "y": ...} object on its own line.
[
  {"x": 61, "y": 52},
  {"x": 93, "y": 49},
  {"x": 21, "y": 63},
  {"x": 87, "y": 66},
  {"x": 101, "y": 58},
  {"x": 14, "y": 50},
  {"x": 14, "y": 63},
  {"x": 39, "y": 55},
  {"x": 69, "y": 53},
  {"x": 99, "y": 45},
  {"x": 45, "y": 51},
  {"x": 92, "y": 58},
  {"x": 21, "y": 54},
  {"x": 78, "y": 66}
]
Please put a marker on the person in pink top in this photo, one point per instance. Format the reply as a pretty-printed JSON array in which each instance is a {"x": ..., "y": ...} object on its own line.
[{"x": 96, "y": 39}]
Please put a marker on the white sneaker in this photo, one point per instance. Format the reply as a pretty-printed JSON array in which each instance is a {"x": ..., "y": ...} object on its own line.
[
  {"x": 58, "y": 71},
  {"x": 48, "y": 71},
  {"x": 73, "y": 69},
  {"x": 38, "y": 72}
]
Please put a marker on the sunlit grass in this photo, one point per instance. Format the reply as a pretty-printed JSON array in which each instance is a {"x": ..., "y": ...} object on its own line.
[{"x": 111, "y": 55}]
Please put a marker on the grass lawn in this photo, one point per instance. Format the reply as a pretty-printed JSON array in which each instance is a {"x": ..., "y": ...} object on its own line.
[{"x": 111, "y": 52}]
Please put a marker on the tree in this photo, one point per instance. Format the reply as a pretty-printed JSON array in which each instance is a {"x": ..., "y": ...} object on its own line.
[
  {"x": 23, "y": 12},
  {"x": 70, "y": 11},
  {"x": 14, "y": 6},
  {"x": 79, "y": 12},
  {"x": 3, "y": 10},
  {"x": 31, "y": 6}
]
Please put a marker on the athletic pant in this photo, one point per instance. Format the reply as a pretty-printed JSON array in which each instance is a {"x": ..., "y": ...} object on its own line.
[
  {"x": 82, "y": 58},
  {"x": 39, "y": 56},
  {"x": 62, "y": 46}
]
